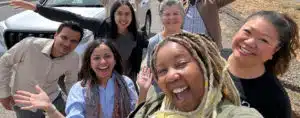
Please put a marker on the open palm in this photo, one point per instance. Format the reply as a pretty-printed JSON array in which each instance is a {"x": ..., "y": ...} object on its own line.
[
  {"x": 144, "y": 79},
  {"x": 31, "y": 100}
]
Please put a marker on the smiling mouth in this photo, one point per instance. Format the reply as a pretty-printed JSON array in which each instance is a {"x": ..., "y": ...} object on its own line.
[
  {"x": 244, "y": 51},
  {"x": 180, "y": 93}
]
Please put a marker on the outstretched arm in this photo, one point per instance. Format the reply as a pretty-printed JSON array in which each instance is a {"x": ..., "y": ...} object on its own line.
[
  {"x": 59, "y": 15},
  {"x": 37, "y": 101}
]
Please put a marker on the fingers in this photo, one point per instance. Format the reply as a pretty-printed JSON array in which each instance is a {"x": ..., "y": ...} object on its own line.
[
  {"x": 23, "y": 102},
  {"x": 24, "y": 93},
  {"x": 21, "y": 97},
  {"x": 38, "y": 89},
  {"x": 27, "y": 108}
]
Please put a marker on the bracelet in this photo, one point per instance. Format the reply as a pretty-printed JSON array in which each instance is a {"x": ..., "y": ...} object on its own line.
[{"x": 50, "y": 110}]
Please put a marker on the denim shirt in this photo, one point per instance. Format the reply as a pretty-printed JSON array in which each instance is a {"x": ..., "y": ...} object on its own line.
[{"x": 75, "y": 106}]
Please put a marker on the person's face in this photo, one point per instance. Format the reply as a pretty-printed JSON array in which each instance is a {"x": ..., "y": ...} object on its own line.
[
  {"x": 65, "y": 41},
  {"x": 179, "y": 76},
  {"x": 123, "y": 17},
  {"x": 255, "y": 42},
  {"x": 103, "y": 61},
  {"x": 171, "y": 17}
]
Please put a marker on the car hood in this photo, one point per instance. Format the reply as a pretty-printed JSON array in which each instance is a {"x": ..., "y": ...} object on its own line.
[{"x": 29, "y": 20}]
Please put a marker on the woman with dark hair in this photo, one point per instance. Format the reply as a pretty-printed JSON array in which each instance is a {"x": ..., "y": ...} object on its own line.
[
  {"x": 102, "y": 92},
  {"x": 121, "y": 27},
  {"x": 262, "y": 50}
]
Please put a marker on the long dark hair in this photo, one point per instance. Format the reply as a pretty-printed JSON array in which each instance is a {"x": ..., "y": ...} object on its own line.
[
  {"x": 288, "y": 34},
  {"x": 86, "y": 72},
  {"x": 114, "y": 28}
]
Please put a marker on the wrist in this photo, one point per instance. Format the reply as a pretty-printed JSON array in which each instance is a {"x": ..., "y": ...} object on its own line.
[{"x": 50, "y": 109}]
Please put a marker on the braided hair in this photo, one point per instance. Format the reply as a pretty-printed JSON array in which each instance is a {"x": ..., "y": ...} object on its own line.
[{"x": 209, "y": 59}]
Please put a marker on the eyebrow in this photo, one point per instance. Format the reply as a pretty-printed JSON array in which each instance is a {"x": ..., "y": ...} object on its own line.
[{"x": 264, "y": 34}]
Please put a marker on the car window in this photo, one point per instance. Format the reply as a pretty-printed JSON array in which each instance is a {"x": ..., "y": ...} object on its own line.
[{"x": 70, "y": 3}]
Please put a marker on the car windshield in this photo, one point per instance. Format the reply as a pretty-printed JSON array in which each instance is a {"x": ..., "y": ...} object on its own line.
[{"x": 73, "y": 3}]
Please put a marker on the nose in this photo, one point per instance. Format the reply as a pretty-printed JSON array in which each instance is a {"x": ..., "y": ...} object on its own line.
[
  {"x": 251, "y": 42},
  {"x": 102, "y": 61},
  {"x": 172, "y": 75}
]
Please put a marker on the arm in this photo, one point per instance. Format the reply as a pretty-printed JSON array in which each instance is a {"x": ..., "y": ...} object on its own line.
[
  {"x": 9, "y": 58},
  {"x": 71, "y": 76},
  {"x": 75, "y": 106},
  {"x": 144, "y": 81},
  {"x": 37, "y": 101},
  {"x": 222, "y": 3},
  {"x": 59, "y": 15}
]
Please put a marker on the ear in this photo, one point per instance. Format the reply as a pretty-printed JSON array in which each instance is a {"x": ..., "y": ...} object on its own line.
[{"x": 55, "y": 34}]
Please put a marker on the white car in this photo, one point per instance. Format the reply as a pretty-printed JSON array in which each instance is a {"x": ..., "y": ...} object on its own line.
[{"x": 29, "y": 23}]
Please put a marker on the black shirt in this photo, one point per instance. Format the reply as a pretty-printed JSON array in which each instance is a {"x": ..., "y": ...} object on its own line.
[{"x": 265, "y": 94}]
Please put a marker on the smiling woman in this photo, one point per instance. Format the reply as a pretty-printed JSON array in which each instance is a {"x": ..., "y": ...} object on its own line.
[{"x": 195, "y": 84}]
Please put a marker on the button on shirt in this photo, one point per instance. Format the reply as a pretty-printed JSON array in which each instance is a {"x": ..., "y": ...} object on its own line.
[
  {"x": 193, "y": 22},
  {"x": 29, "y": 63},
  {"x": 75, "y": 107}
]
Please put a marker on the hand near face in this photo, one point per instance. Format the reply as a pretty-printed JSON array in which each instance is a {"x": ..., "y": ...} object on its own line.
[
  {"x": 144, "y": 80},
  {"x": 22, "y": 4},
  {"x": 7, "y": 103},
  {"x": 33, "y": 101}
]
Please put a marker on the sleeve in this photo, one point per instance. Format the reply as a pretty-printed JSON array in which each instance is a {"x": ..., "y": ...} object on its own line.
[
  {"x": 75, "y": 103},
  {"x": 62, "y": 15},
  {"x": 71, "y": 76},
  {"x": 132, "y": 92},
  {"x": 150, "y": 49},
  {"x": 222, "y": 3},
  {"x": 11, "y": 57}
]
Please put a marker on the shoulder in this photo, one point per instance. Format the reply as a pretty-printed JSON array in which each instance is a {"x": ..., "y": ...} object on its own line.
[
  {"x": 127, "y": 80},
  {"x": 228, "y": 110},
  {"x": 77, "y": 86},
  {"x": 155, "y": 39},
  {"x": 147, "y": 108}
]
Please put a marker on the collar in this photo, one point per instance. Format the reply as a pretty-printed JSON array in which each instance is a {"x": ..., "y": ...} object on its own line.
[{"x": 47, "y": 48}]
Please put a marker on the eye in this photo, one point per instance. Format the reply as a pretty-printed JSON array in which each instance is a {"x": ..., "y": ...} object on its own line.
[
  {"x": 263, "y": 40},
  {"x": 247, "y": 31},
  {"x": 75, "y": 41},
  {"x": 96, "y": 58},
  {"x": 181, "y": 64},
  {"x": 63, "y": 37},
  {"x": 161, "y": 72},
  {"x": 106, "y": 56}
]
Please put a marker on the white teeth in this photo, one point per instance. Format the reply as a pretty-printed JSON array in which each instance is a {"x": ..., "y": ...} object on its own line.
[
  {"x": 245, "y": 50},
  {"x": 178, "y": 90},
  {"x": 102, "y": 68}
]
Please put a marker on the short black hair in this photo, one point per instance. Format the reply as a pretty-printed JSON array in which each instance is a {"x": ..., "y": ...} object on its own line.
[{"x": 72, "y": 25}]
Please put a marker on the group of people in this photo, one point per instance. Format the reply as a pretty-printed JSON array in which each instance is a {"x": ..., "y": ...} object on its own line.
[{"x": 183, "y": 74}]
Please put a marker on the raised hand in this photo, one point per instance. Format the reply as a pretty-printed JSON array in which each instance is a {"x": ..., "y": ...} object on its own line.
[
  {"x": 33, "y": 101},
  {"x": 22, "y": 4},
  {"x": 144, "y": 80}
]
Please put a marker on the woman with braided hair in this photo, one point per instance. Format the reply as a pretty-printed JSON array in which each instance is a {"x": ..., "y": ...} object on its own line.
[
  {"x": 191, "y": 73},
  {"x": 262, "y": 50}
]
